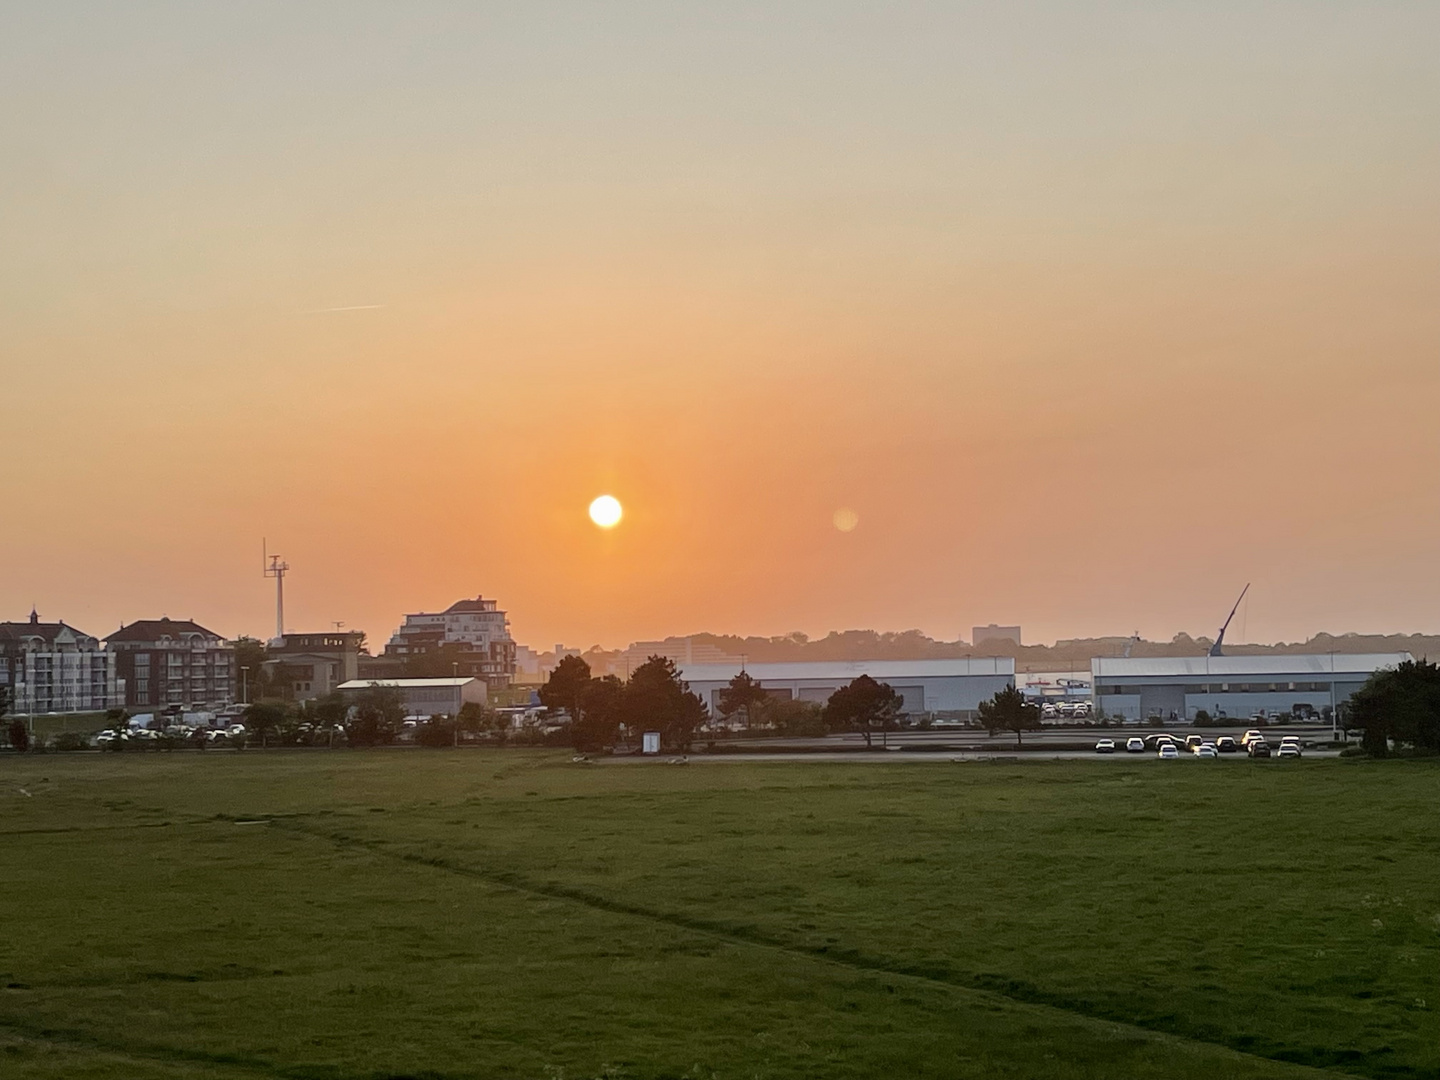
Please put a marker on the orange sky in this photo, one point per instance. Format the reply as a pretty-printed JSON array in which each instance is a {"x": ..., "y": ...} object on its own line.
[{"x": 1091, "y": 319}]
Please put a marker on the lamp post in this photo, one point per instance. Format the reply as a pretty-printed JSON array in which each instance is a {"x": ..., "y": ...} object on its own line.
[
  {"x": 455, "y": 674},
  {"x": 244, "y": 684}
]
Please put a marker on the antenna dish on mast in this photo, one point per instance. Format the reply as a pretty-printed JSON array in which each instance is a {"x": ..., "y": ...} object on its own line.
[{"x": 1215, "y": 650}]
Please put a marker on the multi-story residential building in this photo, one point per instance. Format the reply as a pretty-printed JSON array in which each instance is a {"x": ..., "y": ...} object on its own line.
[
  {"x": 314, "y": 665},
  {"x": 173, "y": 662},
  {"x": 480, "y": 632},
  {"x": 52, "y": 667}
]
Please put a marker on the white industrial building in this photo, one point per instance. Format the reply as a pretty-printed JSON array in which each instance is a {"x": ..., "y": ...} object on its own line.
[
  {"x": 425, "y": 697},
  {"x": 950, "y": 687},
  {"x": 1272, "y": 685}
]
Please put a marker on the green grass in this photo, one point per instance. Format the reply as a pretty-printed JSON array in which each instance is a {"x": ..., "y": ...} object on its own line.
[{"x": 480, "y": 914}]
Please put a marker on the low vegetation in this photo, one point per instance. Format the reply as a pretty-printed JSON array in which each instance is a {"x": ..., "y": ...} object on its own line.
[{"x": 379, "y": 914}]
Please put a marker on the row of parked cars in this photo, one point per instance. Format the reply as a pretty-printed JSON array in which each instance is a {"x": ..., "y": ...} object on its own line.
[
  {"x": 1165, "y": 745},
  {"x": 109, "y": 737}
]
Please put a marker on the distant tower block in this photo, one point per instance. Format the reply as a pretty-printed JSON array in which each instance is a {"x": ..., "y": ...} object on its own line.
[{"x": 982, "y": 634}]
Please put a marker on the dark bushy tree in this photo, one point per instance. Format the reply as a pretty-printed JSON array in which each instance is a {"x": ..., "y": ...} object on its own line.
[
  {"x": 1400, "y": 705},
  {"x": 743, "y": 695},
  {"x": 379, "y": 711},
  {"x": 1009, "y": 711},
  {"x": 657, "y": 699},
  {"x": 565, "y": 687},
  {"x": 19, "y": 735},
  {"x": 263, "y": 720},
  {"x": 864, "y": 706},
  {"x": 602, "y": 711}
]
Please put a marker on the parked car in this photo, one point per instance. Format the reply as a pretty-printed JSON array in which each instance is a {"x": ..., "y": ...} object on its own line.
[
  {"x": 1226, "y": 745},
  {"x": 1192, "y": 741},
  {"x": 1250, "y": 736},
  {"x": 1134, "y": 745},
  {"x": 1204, "y": 750},
  {"x": 1288, "y": 750},
  {"x": 1258, "y": 748},
  {"x": 1168, "y": 751},
  {"x": 1105, "y": 746}
]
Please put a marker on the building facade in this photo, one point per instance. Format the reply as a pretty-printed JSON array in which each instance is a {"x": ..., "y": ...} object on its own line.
[
  {"x": 426, "y": 697},
  {"x": 477, "y": 631},
  {"x": 684, "y": 651},
  {"x": 166, "y": 662},
  {"x": 314, "y": 665},
  {"x": 945, "y": 688},
  {"x": 54, "y": 668},
  {"x": 1301, "y": 686}
]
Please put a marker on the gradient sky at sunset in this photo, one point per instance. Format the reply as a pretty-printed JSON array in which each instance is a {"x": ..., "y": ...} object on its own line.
[{"x": 1091, "y": 313}]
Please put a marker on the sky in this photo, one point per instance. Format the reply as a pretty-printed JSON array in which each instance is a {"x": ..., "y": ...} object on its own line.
[{"x": 1087, "y": 314}]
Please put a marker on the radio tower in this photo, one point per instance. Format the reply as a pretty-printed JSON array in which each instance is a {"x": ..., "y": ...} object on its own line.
[{"x": 276, "y": 568}]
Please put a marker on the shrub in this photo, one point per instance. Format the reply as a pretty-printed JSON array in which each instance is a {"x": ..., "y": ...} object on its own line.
[{"x": 70, "y": 740}]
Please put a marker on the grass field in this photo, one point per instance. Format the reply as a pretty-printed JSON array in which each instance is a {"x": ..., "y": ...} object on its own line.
[{"x": 472, "y": 914}]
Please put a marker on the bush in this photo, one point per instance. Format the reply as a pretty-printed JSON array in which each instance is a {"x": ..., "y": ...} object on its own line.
[{"x": 70, "y": 740}]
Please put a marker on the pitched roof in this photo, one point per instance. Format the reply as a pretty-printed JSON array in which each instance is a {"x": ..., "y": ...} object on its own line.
[
  {"x": 46, "y": 631},
  {"x": 154, "y": 629}
]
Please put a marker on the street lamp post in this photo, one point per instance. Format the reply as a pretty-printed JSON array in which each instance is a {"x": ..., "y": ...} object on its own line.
[
  {"x": 455, "y": 674},
  {"x": 244, "y": 684}
]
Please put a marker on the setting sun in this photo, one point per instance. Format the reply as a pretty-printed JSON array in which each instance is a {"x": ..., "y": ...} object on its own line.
[{"x": 605, "y": 511}]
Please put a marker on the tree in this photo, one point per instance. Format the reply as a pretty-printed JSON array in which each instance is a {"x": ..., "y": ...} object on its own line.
[
  {"x": 657, "y": 699},
  {"x": 602, "y": 710},
  {"x": 566, "y": 686},
  {"x": 790, "y": 717},
  {"x": 746, "y": 695},
  {"x": 19, "y": 735},
  {"x": 250, "y": 653},
  {"x": 1399, "y": 705},
  {"x": 482, "y": 720},
  {"x": 264, "y": 720},
  {"x": 862, "y": 706},
  {"x": 379, "y": 711},
  {"x": 1009, "y": 711}
]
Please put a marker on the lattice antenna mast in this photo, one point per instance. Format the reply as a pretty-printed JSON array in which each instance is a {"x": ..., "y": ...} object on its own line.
[{"x": 277, "y": 568}]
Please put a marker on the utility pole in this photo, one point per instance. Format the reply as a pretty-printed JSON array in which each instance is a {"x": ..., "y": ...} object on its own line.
[{"x": 276, "y": 568}]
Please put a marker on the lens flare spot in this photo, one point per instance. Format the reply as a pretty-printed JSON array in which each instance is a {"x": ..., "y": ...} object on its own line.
[
  {"x": 846, "y": 519},
  {"x": 606, "y": 512}
]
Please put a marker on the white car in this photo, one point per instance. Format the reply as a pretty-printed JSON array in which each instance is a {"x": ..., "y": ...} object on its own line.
[
  {"x": 1251, "y": 736},
  {"x": 1134, "y": 745},
  {"x": 1105, "y": 746},
  {"x": 1168, "y": 751},
  {"x": 1205, "y": 750},
  {"x": 1288, "y": 750}
]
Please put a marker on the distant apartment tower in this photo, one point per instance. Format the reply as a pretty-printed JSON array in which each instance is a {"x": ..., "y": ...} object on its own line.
[
  {"x": 314, "y": 665},
  {"x": 479, "y": 629},
  {"x": 52, "y": 667},
  {"x": 981, "y": 634},
  {"x": 166, "y": 662},
  {"x": 682, "y": 650}
]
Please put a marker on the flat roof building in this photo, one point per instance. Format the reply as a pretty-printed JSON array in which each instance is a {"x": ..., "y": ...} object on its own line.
[
  {"x": 1299, "y": 685},
  {"x": 953, "y": 687},
  {"x": 426, "y": 697}
]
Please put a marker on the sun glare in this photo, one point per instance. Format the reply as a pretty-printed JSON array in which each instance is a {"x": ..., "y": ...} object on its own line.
[{"x": 605, "y": 511}]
